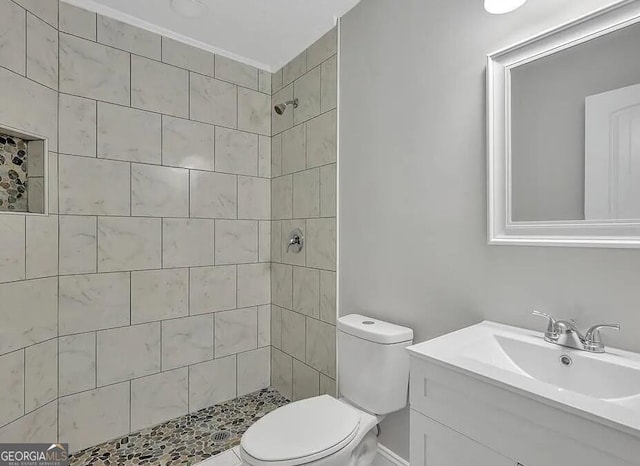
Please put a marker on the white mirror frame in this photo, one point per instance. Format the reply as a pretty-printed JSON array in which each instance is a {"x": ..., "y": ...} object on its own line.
[{"x": 501, "y": 229}]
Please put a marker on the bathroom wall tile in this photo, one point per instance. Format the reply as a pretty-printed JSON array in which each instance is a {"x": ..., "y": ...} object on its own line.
[
  {"x": 139, "y": 345},
  {"x": 236, "y": 152},
  {"x": 186, "y": 56},
  {"x": 29, "y": 313},
  {"x": 281, "y": 282},
  {"x": 254, "y": 198},
  {"x": 93, "y": 302},
  {"x": 294, "y": 69},
  {"x": 276, "y": 81},
  {"x": 12, "y": 252},
  {"x": 46, "y": 11},
  {"x": 236, "y": 72},
  {"x": 12, "y": 399},
  {"x": 321, "y": 243},
  {"x": 77, "y": 21},
  {"x": 212, "y": 382},
  {"x": 127, "y": 243},
  {"x": 78, "y": 414},
  {"x": 126, "y": 37},
  {"x": 159, "y": 191},
  {"x": 212, "y": 289},
  {"x": 276, "y": 241},
  {"x": 288, "y": 256},
  {"x": 41, "y": 374},
  {"x": 213, "y": 195},
  {"x": 307, "y": 91},
  {"x": 35, "y": 194},
  {"x": 13, "y": 37},
  {"x": 187, "y": 341},
  {"x": 254, "y": 370},
  {"x": 322, "y": 49},
  {"x": 264, "y": 81},
  {"x": 93, "y": 187},
  {"x": 321, "y": 346},
  {"x": 282, "y": 197},
  {"x": 328, "y": 296},
  {"x": 236, "y": 241},
  {"x": 264, "y": 325},
  {"x": 254, "y": 111},
  {"x": 282, "y": 372},
  {"x": 78, "y": 244},
  {"x": 293, "y": 334},
  {"x": 158, "y": 398},
  {"x": 294, "y": 147},
  {"x": 306, "y": 381},
  {"x": 39, "y": 426},
  {"x": 187, "y": 144},
  {"x": 36, "y": 162},
  {"x": 306, "y": 194},
  {"x": 329, "y": 84},
  {"x": 236, "y": 331},
  {"x": 77, "y": 125},
  {"x": 276, "y": 327},
  {"x": 42, "y": 52},
  {"x": 264, "y": 156},
  {"x": 213, "y": 101},
  {"x": 306, "y": 291},
  {"x": 264, "y": 241},
  {"x": 327, "y": 386},
  {"x": 92, "y": 70},
  {"x": 254, "y": 284},
  {"x": 322, "y": 139},
  {"x": 128, "y": 134},
  {"x": 159, "y": 87},
  {"x": 18, "y": 93},
  {"x": 328, "y": 190},
  {"x": 53, "y": 183},
  {"x": 42, "y": 246},
  {"x": 159, "y": 294},
  {"x": 77, "y": 363},
  {"x": 279, "y": 123},
  {"x": 187, "y": 242}
]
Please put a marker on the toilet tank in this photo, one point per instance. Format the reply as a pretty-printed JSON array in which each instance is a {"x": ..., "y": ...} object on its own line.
[{"x": 373, "y": 366}]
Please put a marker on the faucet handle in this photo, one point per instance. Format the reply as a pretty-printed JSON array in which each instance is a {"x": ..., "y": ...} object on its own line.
[
  {"x": 593, "y": 334},
  {"x": 551, "y": 325}
]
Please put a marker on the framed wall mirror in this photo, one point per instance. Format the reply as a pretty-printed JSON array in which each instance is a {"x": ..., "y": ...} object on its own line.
[{"x": 563, "y": 113}]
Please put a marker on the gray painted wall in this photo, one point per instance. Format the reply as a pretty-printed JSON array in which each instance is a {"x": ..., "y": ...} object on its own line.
[{"x": 412, "y": 225}]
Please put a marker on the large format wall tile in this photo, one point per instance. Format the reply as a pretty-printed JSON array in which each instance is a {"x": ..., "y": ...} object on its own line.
[
  {"x": 306, "y": 381},
  {"x": 77, "y": 21},
  {"x": 236, "y": 331},
  {"x": 159, "y": 87},
  {"x": 254, "y": 284},
  {"x": 92, "y": 70},
  {"x": 185, "y": 56},
  {"x": 13, "y": 37},
  {"x": 187, "y": 144},
  {"x": 126, "y": 37},
  {"x": 236, "y": 72},
  {"x": 254, "y": 111},
  {"x": 282, "y": 197},
  {"x": 254, "y": 198},
  {"x": 293, "y": 334},
  {"x": 329, "y": 84},
  {"x": 322, "y": 139},
  {"x": 158, "y": 398},
  {"x": 321, "y": 243},
  {"x": 77, "y": 363},
  {"x": 281, "y": 285},
  {"x": 264, "y": 325},
  {"x": 236, "y": 152},
  {"x": 47, "y": 11},
  {"x": 306, "y": 291},
  {"x": 159, "y": 191},
  {"x": 39, "y": 426},
  {"x": 41, "y": 374},
  {"x": 42, "y": 246},
  {"x": 126, "y": 243},
  {"x": 78, "y": 414},
  {"x": 77, "y": 125},
  {"x": 294, "y": 149},
  {"x": 254, "y": 370},
  {"x": 213, "y": 195},
  {"x": 328, "y": 296},
  {"x": 282, "y": 372},
  {"x": 321, "y": 347},
  {"x": 12, "y": 386},
  {"x": 78, "y": 244},
  {"x": 187, "y": 242},
  {"x": 279, "y": 123},
  {"x": 138, "y": 345},
  {"x": 128, "y": 134},
  {"x": 29, "y": 313},
  {"x": 295, "y": 68},
  {"x": 187, "y": 341},
  {"x": 93, "y": 187},
  {"x": 322, "y": 49},
  {"x": 159, "y": 294},
  {"x": 306, "y": 194},
  {"x": 93, "y": 302},
  {"x": 42, "y": 52},
  {"x": 307, "y": 91},
  {"x": 328, "y": 190},
  {"x": 12, "y": 252},
  {"x": 212, "y": 289},
  {"x": 236, "y": 241},
  {"x": 212, "y": 382},
  {"x": 213, "y": 101}
]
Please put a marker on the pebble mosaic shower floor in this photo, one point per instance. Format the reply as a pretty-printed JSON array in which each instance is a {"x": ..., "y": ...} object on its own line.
[{"x": 186, "y": 440}]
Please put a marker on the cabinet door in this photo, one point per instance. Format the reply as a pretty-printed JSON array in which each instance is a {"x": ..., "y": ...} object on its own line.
[{"x": 433, "y": 444}]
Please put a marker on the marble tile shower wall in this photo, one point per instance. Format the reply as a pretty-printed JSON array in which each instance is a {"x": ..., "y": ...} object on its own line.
[
  {"x": 303, "y": 194},
  {"x": 146, "y": 293}
]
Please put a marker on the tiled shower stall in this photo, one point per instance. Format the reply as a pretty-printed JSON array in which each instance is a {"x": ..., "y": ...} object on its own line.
[{"x": 158, "y": 284}]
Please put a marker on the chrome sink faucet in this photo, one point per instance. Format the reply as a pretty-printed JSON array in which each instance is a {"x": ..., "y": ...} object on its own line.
[{"x": 565, "y": 333}]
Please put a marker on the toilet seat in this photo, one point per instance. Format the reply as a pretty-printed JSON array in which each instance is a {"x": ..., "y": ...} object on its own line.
[{"x": 301, "y": 432}]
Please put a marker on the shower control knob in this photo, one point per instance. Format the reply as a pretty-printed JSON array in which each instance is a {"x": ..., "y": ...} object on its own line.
[{"x": 296, "y": 241}]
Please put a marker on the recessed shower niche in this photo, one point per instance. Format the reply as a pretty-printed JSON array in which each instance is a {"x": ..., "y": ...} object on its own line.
[{"x": 23, "y": 185}]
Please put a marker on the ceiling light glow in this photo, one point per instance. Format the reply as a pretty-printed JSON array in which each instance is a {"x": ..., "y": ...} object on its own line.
[
  {"x": 189, "y": 8},
  {"x": 499, "y": 7}
]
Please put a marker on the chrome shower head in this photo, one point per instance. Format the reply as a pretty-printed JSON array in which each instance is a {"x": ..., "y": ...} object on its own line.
[{"x": 280, "y": 108}]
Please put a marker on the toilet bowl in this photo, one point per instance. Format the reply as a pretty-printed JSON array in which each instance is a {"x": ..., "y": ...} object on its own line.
[{"x": 324, "y": 431}]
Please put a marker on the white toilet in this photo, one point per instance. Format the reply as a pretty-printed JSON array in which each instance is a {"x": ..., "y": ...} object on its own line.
[{"x": 373, "y": 375}]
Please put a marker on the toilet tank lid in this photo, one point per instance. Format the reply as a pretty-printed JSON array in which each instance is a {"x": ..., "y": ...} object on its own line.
[{"x": 374, "y": 330}]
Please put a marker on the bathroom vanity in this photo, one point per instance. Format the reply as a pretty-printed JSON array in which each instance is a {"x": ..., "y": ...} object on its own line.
[{"x": 494, "y": 395}]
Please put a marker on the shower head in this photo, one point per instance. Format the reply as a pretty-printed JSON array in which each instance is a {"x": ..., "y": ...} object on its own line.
[{"x": 280, "y": 108}]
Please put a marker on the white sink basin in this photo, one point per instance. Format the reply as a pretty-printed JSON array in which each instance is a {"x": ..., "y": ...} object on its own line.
[{"x": 605, "y": 385}]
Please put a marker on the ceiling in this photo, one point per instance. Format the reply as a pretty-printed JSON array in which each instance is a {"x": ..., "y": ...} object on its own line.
[{"x": 263, "y": 33}]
